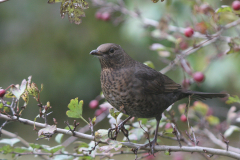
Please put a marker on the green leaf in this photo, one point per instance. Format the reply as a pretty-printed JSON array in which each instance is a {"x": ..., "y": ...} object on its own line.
[
  {"x": 59, "y": 137},
  {"x": 234, "y": 45},
  {"x": 94, "y": 120},
  {"x": 21, "y": 149},
  {"x": 167, "y": 153},
  {"x": 74, "y": 9},
  {"x": 35, "y": 146},
  {"x": 75, "y": 108},
  {"x": 6, "y": 149},
  {"x": 168, "y": 132},
  {"x": 19, "y": 90},
  {"x": 71, "y": 126},
  {"x": 200, "y": 107},
  {"x": 149, "y": 64},
  {"x": 54, "y": 1},
  {"x": 53, "y": 149},
  {"x": 114, "y": 113},
  {"x": 212, "y": 120},
  {"x": 233, "y": 99},
  {"x": 143, "y": 120},
  {"x": 81, "y": 144},
  {"x": 10, "y": 141},
  {"x": 224, "y": 9}
]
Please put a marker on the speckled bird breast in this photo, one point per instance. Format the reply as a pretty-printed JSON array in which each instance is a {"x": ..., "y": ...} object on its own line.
[{"x": 126, "y": 94}]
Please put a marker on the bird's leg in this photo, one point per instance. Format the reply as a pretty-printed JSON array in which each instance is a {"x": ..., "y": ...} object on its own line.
[
  {"x": 119, "y": 127},
  {"x": 154, "y": 141}
]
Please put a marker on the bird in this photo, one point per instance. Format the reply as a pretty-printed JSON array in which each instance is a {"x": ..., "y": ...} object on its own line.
[{"x": 138, "y": 90}]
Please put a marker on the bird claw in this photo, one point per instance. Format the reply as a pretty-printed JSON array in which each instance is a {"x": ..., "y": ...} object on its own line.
[{"x": 113, "y": 132}]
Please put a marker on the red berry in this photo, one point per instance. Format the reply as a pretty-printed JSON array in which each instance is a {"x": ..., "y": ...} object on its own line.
[
  {"x": 198, "y": 76},
  {"x": 183, "y": 45},
  {"x": 98, "y": 112},
  {"x": 183, "y": 118},
  {"x": 105, "y": 16},
  {"x": 236, "y": 5},
  {"x": 104, "y": 109},
  {"x": 188, "y": 32},
  {"x": 93, "y": 104},
  {"x": 2, "y": 92},
  {"x": 98, "y": 15},
  {"x": 168, "y": 125}
]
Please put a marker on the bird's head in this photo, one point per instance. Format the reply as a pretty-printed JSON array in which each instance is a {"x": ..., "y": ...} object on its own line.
[{"x": 111, "y": 55}]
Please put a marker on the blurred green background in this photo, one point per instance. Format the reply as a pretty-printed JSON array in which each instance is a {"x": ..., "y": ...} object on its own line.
[{"x": 34, "y": 40}]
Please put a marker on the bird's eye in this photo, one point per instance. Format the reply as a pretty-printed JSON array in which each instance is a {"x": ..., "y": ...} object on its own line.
[{"x": 111, "y": 50}]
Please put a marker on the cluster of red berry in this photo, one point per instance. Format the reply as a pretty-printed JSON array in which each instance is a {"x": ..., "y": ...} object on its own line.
[{"x": 105, "y": 16}]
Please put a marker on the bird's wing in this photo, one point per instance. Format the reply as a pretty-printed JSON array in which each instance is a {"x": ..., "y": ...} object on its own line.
[{"x": 156, "y": 83}]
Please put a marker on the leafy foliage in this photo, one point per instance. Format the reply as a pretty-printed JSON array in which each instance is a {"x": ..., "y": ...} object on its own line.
[
  {"x": 19, "y": 90},
  {"x": 75, "y": 109},
  {"x": 73, "y": 8},
  {"x": 233, "y": 99},
  {"x": 10, "y": 141}
]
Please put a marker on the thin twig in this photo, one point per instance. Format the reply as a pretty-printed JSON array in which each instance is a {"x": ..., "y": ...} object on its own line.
[{"x": 218, "y": 142}]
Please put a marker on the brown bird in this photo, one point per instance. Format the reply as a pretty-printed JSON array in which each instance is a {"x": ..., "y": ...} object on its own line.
[{"x": 136, "y": 89}]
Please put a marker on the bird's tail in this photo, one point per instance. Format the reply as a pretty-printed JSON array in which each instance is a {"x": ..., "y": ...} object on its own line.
[{"x": 203, "y": 96}]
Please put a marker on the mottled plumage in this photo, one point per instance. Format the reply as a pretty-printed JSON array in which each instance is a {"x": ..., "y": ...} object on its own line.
[{"x": 136, "y": 89}]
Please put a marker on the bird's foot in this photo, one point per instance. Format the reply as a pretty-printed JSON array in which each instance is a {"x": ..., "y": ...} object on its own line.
[
  {"x": 150, "y": 144},
  {"x": 113, "y": 132}
]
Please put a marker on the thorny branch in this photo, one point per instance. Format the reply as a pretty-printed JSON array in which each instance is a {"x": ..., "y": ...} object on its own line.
[{"x": 207, "y": 150}]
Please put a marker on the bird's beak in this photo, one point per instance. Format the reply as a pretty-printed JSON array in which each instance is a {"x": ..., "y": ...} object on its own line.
[{"x": 96, "y": 52}]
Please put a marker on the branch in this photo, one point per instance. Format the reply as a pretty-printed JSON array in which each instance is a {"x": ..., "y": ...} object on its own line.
[
  {"x": 42, "y": 125},
  {"x": 132, "y": 145},
  {"x": 84, "y": 129},
  {"x": 203, "y": 43},
  {"x": 12, "y": 135},
  {"x": 218, "y": 142},
  {"x": 109, "y": 154}
]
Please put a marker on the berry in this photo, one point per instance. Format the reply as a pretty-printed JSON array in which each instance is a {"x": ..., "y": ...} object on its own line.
[
  {"x": 2, "y": 92},
  {"x": 198, "y": 77},
  {"x": 93, "y": 104},
  {"x": 236, "y": 5},
  {"x": 98, "y": 112},
  {"x": 105, "y": 16},
  {"x": 183, "y": 118},
  {"x": 168, "y": 125},
  {"x": 183, "y": 45},
  {"x": 188, "y": 32},
  {"x": 98, "y": 15},
  {"x": 103, "y": 109}
]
